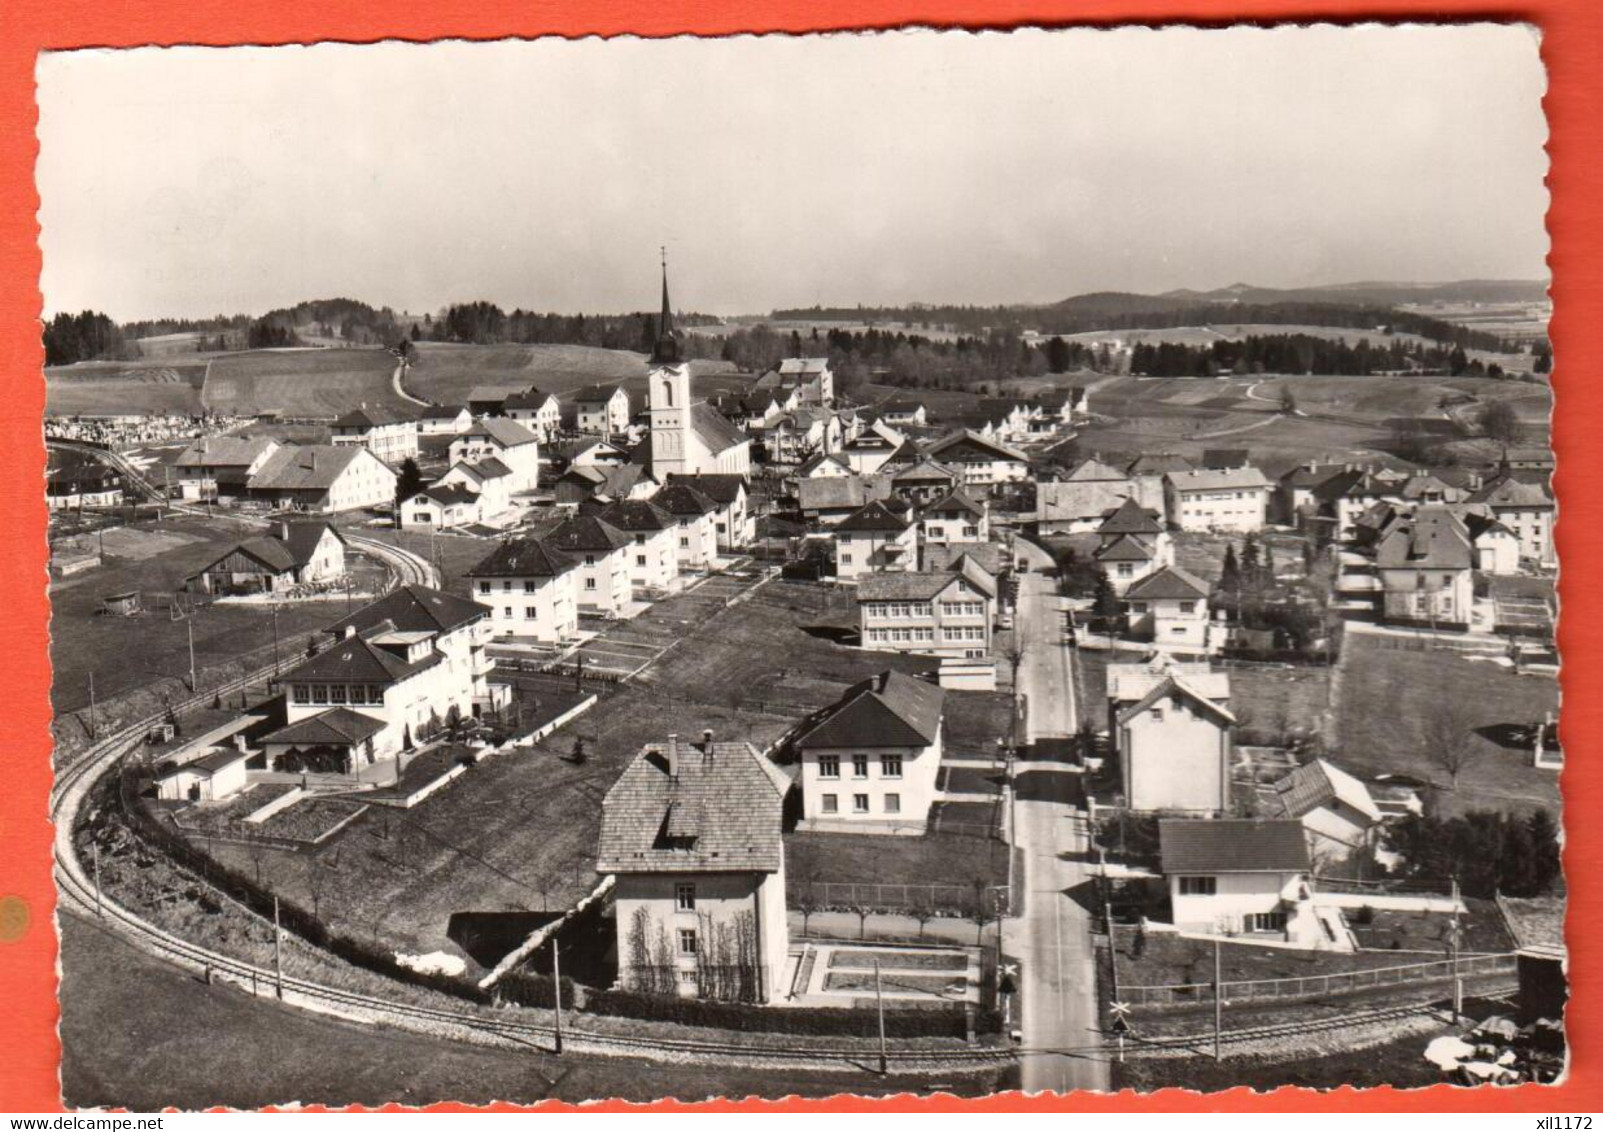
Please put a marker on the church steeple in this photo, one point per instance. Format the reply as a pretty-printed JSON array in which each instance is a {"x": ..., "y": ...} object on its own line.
[{"x": 665, "y": 352}]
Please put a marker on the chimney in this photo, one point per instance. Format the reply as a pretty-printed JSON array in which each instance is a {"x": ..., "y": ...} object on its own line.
[
  {"x": 706, "y": 739},
  {"x": 350, "y": 631},
  {"x": 673, "y": 756},
  {"x": 283, "y": 532}
]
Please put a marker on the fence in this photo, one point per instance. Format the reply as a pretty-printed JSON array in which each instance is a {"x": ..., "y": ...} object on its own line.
[
  {"x": 837, "y": 894},
  {"x": 1320, "y": 986},
  {"x": 1354, "y": 887}
]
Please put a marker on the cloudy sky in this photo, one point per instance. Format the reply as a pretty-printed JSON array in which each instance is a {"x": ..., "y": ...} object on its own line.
[{"x": 787, "y": 171}]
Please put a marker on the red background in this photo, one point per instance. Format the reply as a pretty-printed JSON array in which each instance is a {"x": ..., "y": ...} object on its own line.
[{"x": 1572, "y": 48}]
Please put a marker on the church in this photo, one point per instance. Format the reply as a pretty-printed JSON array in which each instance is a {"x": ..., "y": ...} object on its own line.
[{"x": 688, "y": 437}]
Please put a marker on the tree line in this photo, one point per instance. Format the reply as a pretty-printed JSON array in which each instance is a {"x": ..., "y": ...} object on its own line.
[{"x": 1304, "y": 354}]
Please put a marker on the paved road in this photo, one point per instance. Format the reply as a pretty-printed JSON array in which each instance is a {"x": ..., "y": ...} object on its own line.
[{"x": 1052, "y": 940}]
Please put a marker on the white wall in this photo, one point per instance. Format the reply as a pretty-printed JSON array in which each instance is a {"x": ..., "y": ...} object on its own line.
[
  {"x": 1180, "y": 761},
  {"x": 914, "y": 788}
]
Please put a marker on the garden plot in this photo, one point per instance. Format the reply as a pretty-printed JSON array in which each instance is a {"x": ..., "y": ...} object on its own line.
[{"x": 849, "y": 976}]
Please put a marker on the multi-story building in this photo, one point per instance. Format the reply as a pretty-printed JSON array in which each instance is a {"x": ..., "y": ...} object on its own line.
[
  {"x": 444, "y": 420},
  {"x": 540, "y": 413},
  {"x": 869, "y": 762},
  {"x": 653, "y": 534},
  {"x": 956, "y": 518},
  {"x": 1172, "y": 729},
  {"x": 1169, "y": 607},
  {"x": 697, "y": 516},
  {"x": 1132, "y": 544},
  {"x": 220, "y": 467},
  {"x": 1526, "y": 509},
  {"x": 1234, "y": 499},
  {"x": 1426, "y": 565},
  {"x": 983, "y": 463},
  {"x": 602, "y": 409},
  {"x": 531, "y": 588},
  {"x": 874, "y": 539},
  {"x": 734, "y": 522},
  {"x": 934, "y": 613},
  {"x": 504, "y": 440},
  {"x": 388, "y": 434},
  {"x": 603, "y": 553},
  {"x": 322, "y": 478}
]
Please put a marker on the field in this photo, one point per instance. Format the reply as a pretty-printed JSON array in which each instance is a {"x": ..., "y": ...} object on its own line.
[
  {"x": 128, "y": 652},
  {"x": 300, "y": 383},
  {"x": 124, "y": 387},
  {"x": 1387, "y": 697},
  {"x": 959, "y": 859},
  {"x": 1400, "y": 1064},
  {"x": 445, "y": 372},
  {"x": 180, "y": 1042}
]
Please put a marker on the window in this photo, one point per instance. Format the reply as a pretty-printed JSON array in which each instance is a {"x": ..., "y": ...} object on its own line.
[
  {"x": 484, "y": 587},
  {"x": 1138, "y": 607},
  {"x": 640, "y": 560},
  {"x": 1199, "y": 886},
  {"x": 1125, "y": 569},
  {"x": 687, "y": 941},
  {"x": 319, "y": 694},
  {"x": 1265, "y": 921},
  {"x": 506, "y": 585},
  {"x": 845, "y": 558},
  {"x": 589, "y": 583},
  {"x": 640, "y": 540},
  {"x": 830, "y": 803},
  {"x": 336, "y": 693},
  {"x": 506, "y": 611},
  {"x": 302, "y": 694},
  {"x": 1156, "y": 713},
  {"x": 528, "y": 585},
  {"x": 828, "y": 766},
  {"x": 684, "y": 897},
  {"x": 684, "y": 542},
  {"x": 1188, "y": 607},
  {"x": 859, "y": 803},
  {"x": 893, "y": 803},
  {"x": 859, "y": 766},
  {"x": 531, "y": 612},
  {"x": 589, "y": 560},
  {"x": 890, "y": 766}
]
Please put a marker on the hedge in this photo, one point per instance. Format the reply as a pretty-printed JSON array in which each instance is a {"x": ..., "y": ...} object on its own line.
[{"x": 818, "y": 1021}]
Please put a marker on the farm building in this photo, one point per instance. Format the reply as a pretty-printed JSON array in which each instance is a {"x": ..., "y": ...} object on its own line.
[
  {"x": 83, "y": 485},
  {"x": 221, "y": 467},
  {"x": 295, "y": 553}
]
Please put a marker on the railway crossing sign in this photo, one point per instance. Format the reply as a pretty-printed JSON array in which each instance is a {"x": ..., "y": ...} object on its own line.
[{"x": 1121, "y": 1024}]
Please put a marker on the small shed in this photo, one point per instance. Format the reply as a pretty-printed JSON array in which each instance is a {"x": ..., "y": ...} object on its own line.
[
  {"x": 123, "y": 604},
  {"x": 216, "y": 775}
]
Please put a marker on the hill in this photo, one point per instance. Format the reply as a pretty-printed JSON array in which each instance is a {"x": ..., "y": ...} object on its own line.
[
  {"x": 444, "y": 372},
  {"x": 300, "y": 383},
  {"x": 124, "y": 387},
  {"x": 1376, "y": 294}
]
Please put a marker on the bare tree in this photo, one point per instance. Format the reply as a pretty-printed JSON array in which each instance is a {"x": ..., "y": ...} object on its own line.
[
  {"x": 922, "y": 910},
  {"x": 1448, "y": 744}
]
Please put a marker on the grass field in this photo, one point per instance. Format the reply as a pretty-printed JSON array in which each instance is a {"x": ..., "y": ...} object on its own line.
[
  {"x": 444, "y": 372},
  {"x": 300, "y": 383},
  {"x": 175, "y": 1041},
  {"x": 124, "y": 387},
  {"x": 127, "y": 652},
  {"x": 1386, "y": 700},
  {"x": 1400, "y": 1064}
]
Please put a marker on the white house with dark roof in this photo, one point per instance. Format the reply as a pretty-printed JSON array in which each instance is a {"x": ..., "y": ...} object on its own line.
[
  {"x": 440, "y": 507},
  {"x": 602, "y": 409},
  {"x": 322, "y": 478},
  {"x": 539, "y": 412},
  {"x": 1169, "y": 607},
  {"x": 298, "y": 553},
  {"x": 1080, "y": 501},
  {"x": 691, "y": 834},
  {"x": 532, "y": 589},
  {"x": 1174, "y": 747},
  {"x": 696, "y": 540},
  {"x": 809, "y": 380},
  {"x": 955, "y": 517},
  {"x": 874, "y": 539},
  {"x": 1132, "y": 543},
  {"x": 983, "y": 463},
  {"x": 489, "y": 478},
  {"x": 869, "y": 762},
  {"x": 653, "y": 534},
  {"x": 1336, "y": 810},
  {"x": 603, "y": 553},
  {"x": 1241, "y": 877},
  {"x": 934, "y": 613},
  {"x": 1526, "y": 509},
  {"x": 444, "y": 420},
  {"x": 389, "y": 434},
  {"x": 411, "y": 660},
  {"x": 505, "y": 440},
  {"x": 1231, "y": 499},
  {"x": 925, "y": 482},
  {"x": 220, "y": 467},
  {"x": 733, "y": 522},
  {"x": 1426, "y": 565}
]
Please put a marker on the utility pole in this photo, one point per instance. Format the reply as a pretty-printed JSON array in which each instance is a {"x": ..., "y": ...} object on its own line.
[
  {"x": 1452, "y": 952},
  {"x": 556, "y": 988},
  {"x": 1218, "y": 1001},
  {"x": 278, "y": 951},
  {"x": 275, "y": 639},
  {"x": 98, "y": 910},
  {"x": 879, "y": 1006},
  {"x": 94, "y": 720},
  {"x": 189, "y": 626}
]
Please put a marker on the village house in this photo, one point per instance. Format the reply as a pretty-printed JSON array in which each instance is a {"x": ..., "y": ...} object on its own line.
[
  {"x": 440, "y": 507},
  {"x": 983, "y": 463},
  {"x": 583, "y": 452},
  {"x": 1080, "y": 502},
  {"x": 1294, "y": 499},
  {"x": 697, "y": 537},
  {"x": 1527, "y": 510},
  {"x": 931, "y": 613},
  {"x": 798, "y": 436},
  {"x": 691, "y": 834},
  {"x": 1146, "y": 473},
  {"x": 1426, "y": 563},
  {"x": 540, "y": 413},
  {"x": 220, "y": 467},
  {"x": 1233, "y": 499},
  {"x": 602, "y": 409},
  {"x": 870, "y": 761},
  {"x": 604, "y": 483},
  {"x": 1132, "y": 543},
  {"x": 490, "y": 479},
  {"x": 215, "y": 776},
  {"x": 903, "y": 411},
  {"x": 653, "y": 533},
  {"x": 1239, "y": 877},
  {"x": 925, "y": 482},
  {"x": 733, "y": 521},
  {"x": 1172, "y": 728},
  {"x": 83, "y": 485},
  {"x": 490, "y": 400},
  {"x": 322, "y": 478},
  {"x": 444, "y": 420},
  {"x": 809, "y": 379},
  {"x": 603, "y": 553},
  {"x": 504, "y": 440},
  {"x": 825, "y": 502},
  {"x": 955, "y": 518},
  {"x": 1169, "y": 607},
  {"x": 874, "y": 539},
  {"x": 298, "y": 553},
  {"x": 387, "y": 433},
  {"x": 411, "y": 660},
  {"x": 1335, "y": 809},
  {"x": 825, "y": 465},
  {"x": 876, "y": 448},
  {"x": 531, "y": 588}
]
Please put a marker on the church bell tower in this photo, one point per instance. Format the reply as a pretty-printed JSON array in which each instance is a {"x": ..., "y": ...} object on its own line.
[{"x": 668, "y": 396}]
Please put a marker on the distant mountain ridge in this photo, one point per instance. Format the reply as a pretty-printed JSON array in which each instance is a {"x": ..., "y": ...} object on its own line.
[{"x": 1382, "y": 293}]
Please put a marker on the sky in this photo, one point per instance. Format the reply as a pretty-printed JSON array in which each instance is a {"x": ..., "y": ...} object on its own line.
[{"x": 786, "y": 171}]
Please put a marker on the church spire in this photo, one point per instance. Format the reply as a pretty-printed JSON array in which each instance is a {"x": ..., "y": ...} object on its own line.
[{"x": 665, "y": 352}]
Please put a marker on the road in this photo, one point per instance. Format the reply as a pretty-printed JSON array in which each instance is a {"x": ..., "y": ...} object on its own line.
[{"x": 1052, "y": 940}]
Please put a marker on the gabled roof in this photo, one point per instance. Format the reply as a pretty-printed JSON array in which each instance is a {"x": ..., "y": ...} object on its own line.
[
  {"x": 1433, "y": 538},
  {"x": 720, "y": 810},
  {"x": 375, "y": 417},
  {"x": 1130, "y": 518},
  {"x": 1232, "y": 845},
  {"x": 1124, "y": 548},
  {"x": 809, "y": 366},
  {"x": 635, "y": 515},
  {"x": 835, "y": 492},
  {"x": 714, "y": 431},
  {"x": 812, "y": 463},
  {"x": 448, "y": 494},
  {"x": 302, "y": 538},
  {"x": 1310, "y": 476},
  {"x": 947, "y": 557},
  {"x": 1158, "y": 463},
  {"x": 597, "y": 394},
  {"x": 489, "y": 468},
  {"x": 1169, "y": 582},
  {"x": 872, "y": 518},
  {"x": 1094, "y": 470},
  {"x": 886, "y": 710},
  {"x": 1174, "y": 686},
  {"x": 1506, "y": 491},
  {"x": 355, "y": 659},
  {"x": 442, "y": 412},
  {"x": 225, "y": 451},
  {"x": 268, "y": 551},
  {"x": 411, "y": 608},
  {"x": 504, "y": 431},
  {"x": 1217, "y": 479},
  {"x": 1318, "y": 783},
  {"x": 309, "y": 467},
  {"x": 587, "y": 533},
  {"x": 525, "y": 557},
  {"x": 970, "y": 440},
  {"x": 907, "y": 586},
  {"x": 493, "y": 393},
  {"x": 683, "y": 499},
  {"x": 1128, "y": 683},
  {"x": 926, "y": 469},
  {"x": 1078, "y": 501},
  {"x": 337, "y": 726},
  {"x": 1224, "y": 459},
  {"x": 530, "y": 399},
  {"x": 720, "y": 487},
  {"x": 955, "y": 502}
]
